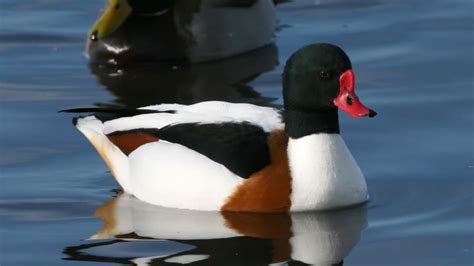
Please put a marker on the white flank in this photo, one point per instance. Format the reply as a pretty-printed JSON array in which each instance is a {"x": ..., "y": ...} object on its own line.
[
  {"x": 172, "y": 175},
  {"x": 324, "y": 174}
]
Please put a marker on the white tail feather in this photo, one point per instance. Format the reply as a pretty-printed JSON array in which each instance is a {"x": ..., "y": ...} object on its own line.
[{"x": 115, "y": 159}]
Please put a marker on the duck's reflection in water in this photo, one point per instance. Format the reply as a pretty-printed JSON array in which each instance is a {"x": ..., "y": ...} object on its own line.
[
  {"x": 212, "y": 238},
  {"x": 226, "y": 80}
]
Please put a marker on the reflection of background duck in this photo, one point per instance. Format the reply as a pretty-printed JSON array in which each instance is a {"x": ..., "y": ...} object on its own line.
[
  {"x": 187, "y": 30},
  {"x": 321, "y": 238},
  {"x": 146, "y": 84}
]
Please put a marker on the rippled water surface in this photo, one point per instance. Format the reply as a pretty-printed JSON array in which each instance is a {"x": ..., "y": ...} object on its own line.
[{"x": 413, "y": 61}]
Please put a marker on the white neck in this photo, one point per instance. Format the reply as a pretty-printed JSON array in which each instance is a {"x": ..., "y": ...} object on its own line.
[{"x": 324, "y": 173}]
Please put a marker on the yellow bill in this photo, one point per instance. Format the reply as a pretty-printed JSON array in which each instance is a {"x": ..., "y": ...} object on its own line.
[{"x": 114, "y": 15}]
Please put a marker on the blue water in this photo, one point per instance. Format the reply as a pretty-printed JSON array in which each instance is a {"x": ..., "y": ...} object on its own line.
[{"x": 413, "y": 61}]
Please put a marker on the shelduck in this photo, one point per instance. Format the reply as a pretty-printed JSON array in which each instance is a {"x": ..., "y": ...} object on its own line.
[{"x": 219, "y": 156}]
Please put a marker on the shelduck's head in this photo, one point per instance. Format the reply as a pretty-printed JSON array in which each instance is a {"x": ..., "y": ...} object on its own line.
[{"x": 317, "y": 81}]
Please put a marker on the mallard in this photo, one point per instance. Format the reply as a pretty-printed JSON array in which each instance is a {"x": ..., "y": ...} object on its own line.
[{"x": 179, "y": 30}]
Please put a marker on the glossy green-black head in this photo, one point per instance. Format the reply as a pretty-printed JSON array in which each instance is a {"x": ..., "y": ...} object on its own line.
[
  {"x": 317, "y": 80},
  {"x": 311, "y": 77},
  {"x": 319, "y": 77}
]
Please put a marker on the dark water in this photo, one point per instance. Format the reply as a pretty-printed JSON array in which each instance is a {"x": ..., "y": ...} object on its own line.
[{"x": 414, "y": 64}]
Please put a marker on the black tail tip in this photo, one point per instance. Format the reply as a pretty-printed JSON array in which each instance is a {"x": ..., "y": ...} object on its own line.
[{"x": 74, "y": 120}]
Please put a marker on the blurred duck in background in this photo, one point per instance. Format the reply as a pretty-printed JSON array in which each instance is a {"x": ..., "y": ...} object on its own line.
[
  {"x": 213, "y": 238},
  {"x": 179, "y": 30}
]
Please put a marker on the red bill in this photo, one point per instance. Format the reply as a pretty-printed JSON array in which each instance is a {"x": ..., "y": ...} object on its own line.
[{"x": 347, "y": 100}]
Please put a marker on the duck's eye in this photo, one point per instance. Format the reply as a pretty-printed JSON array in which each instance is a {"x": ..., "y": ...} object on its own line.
[
  {"x": 349, "y": 100},
  {"x": 117, "y": 6},
  {"x": 324, "y": 74}
]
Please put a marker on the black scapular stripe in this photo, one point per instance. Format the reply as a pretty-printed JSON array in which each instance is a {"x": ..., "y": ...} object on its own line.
[
  {"x": 106, "y": 114},
  {"x": 241, "y": 147}
]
